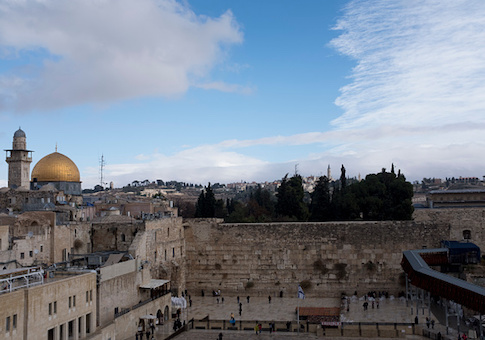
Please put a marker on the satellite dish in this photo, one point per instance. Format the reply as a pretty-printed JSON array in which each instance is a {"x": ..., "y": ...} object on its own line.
[
  {"x": 36, "y": 251},
  {"x": 30, "y": 234}
]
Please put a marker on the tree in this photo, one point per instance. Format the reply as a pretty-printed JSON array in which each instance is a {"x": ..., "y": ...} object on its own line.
[
  {"x": 320, "y": 206},
  {"x": 343, "y": 179},
  {"x": 384, "y": 196},
  {"x": 344, "y": 202},
  {"x": 206, "y": 203},
  {"x": 290, "y": 203}
]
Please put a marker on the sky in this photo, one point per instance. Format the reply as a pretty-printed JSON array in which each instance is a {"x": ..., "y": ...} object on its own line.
[{"x": 228, "y": 91}]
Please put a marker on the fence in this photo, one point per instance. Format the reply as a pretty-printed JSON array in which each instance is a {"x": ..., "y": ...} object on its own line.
[{"x": 347, "y": 329}]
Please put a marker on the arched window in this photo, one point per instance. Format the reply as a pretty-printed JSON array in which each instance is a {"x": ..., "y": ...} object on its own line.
[
  {"x": 467, "y": 234},
  {"x": 123, "y": 238}
]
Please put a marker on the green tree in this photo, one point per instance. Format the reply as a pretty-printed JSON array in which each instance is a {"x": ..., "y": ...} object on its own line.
[
  {"x": 206, "y": 203},
  {"x": 320, "y": 206},
  {"x": 290, "y": 205},
  {"x": 384, "y": 196}
]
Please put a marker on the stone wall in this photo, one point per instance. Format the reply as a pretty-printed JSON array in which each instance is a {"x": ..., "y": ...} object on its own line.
[
  {"x": 328, "y": 258},
  {"x": 460, "y": 220},
  {"x": 114, "y": 236},
  {"x": 119, "y": 292},
  {"x": 165, "y": 250}
]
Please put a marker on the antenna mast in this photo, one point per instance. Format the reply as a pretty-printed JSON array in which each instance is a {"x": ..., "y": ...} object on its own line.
[{"x": 101, "y": 167}]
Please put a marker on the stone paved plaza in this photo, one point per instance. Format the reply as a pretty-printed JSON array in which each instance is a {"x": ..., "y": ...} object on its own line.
[{"x": 281, "y": 309}]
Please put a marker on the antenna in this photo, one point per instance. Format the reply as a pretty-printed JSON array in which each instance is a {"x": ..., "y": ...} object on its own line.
[{"x": 102, "y": 163}]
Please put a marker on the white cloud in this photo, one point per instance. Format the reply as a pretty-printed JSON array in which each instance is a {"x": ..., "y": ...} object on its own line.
[
  {"x": 207, "y": 163},
  {"x": 100, "y": 51}
]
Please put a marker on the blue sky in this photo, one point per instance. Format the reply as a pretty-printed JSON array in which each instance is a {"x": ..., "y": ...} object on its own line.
[{"x": 224, "y": 91}]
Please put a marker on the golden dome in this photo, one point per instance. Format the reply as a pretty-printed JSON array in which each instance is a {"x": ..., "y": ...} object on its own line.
[{"x": 56, "y": 168}]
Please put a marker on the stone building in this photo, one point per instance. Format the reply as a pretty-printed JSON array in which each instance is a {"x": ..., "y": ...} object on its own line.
[
  {"x": 60, "y": 307},
  {"x": 33, "y": 238},
  {"x": 456, "y": 198}
]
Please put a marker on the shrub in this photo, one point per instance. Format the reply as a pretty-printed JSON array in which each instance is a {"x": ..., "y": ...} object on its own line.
[
  {"x": 340, "y": 269},
  {"x": 305, "y": 284},
  {"x": 370, "y": 266},
  {"x": 318, "y": 265},
  {"x": 78, "y": 243},
  {"x": 249, "y": 284}
]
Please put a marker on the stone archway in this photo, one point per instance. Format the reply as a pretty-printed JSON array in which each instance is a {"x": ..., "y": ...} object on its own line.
[{"x": 160, "y": 317}]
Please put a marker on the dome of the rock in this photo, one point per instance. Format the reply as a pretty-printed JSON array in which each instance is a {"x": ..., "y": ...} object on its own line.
[{"x": 55, "y": 167}]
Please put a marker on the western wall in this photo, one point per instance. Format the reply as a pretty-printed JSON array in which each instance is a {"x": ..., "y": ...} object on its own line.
[{"x": 327, "y": 258}]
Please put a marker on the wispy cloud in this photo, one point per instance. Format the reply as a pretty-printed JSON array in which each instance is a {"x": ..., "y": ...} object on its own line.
[
  {"x": 99, "y": 51},
  {"x": 418, "y": 62}
]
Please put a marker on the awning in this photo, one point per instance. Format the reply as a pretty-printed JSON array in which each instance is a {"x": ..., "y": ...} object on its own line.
[
  {"x": 148, "y": 317},
  {"x": 154, "y": 284},
  {"x": 113, "y": 259}
]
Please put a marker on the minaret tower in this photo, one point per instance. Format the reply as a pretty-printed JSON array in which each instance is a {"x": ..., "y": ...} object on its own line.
[
  {"x": 19, "y": 159},
  {"x": 329, "y": 173}
]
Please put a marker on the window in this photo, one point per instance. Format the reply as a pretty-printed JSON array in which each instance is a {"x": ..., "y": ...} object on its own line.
[
  {"x": 467, "y": 234},
  {"x": 173, "y": 252},
  {"x": 7, "y": 324},
  {"x": 22, "y": 256},
  {"x": 69, "y": 302},
  {"x": 74, "y": 301},
  {"x": 14, "y": 321},
  {"x": 87, "y": 297},
  {"x": 31, "y": 253},
  {"x": 55, "y": 307},
  {"x": 50, "y": 308},
  {"x": 165, "y": 254},
  {"x": 91, "y": 295},
  {"x": 123, "y": 238},
  {"x": 41, "y": 249}
]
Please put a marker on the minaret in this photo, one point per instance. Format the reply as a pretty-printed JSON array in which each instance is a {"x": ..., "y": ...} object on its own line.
[
  {"x": 19, "y": 159},
  {"x": 329, "y": 173}
]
